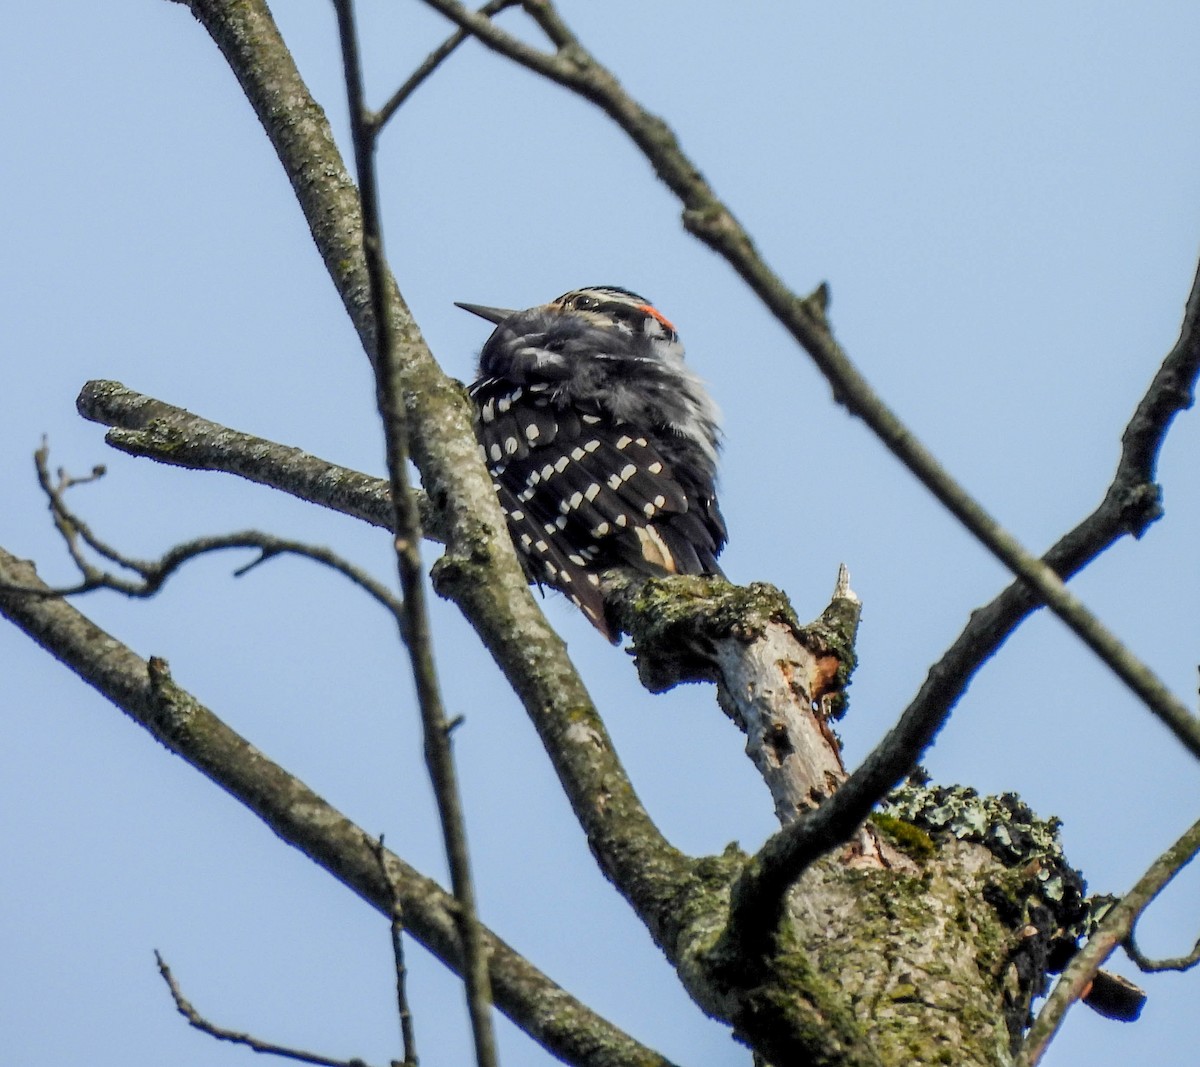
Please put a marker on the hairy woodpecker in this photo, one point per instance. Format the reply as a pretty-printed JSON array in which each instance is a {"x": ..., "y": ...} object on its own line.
[{"x": 601, "y": 442}]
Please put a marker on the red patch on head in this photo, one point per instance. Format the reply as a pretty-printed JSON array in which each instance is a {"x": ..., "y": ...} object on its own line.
[{"x": 658, "y": 315}]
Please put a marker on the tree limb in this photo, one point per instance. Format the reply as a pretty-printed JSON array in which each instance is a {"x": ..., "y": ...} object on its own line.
[
  {"x": 145, "y": 691},
  {"x": 154, "y": 429}
]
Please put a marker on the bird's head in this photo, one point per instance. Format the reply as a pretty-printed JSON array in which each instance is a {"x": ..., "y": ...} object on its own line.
[
  {"x": 551, "y": 341},
  {"x": 597, "y": 305}
]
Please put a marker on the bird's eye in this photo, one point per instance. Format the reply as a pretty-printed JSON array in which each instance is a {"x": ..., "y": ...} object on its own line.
[{"x": 585, "y": 303}]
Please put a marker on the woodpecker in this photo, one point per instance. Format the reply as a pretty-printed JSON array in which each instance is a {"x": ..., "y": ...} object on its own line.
[{"x": 601, "y": 442}]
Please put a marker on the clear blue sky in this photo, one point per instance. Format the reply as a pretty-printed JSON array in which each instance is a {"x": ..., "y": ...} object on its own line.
[{"x": 1004, "y": 202}]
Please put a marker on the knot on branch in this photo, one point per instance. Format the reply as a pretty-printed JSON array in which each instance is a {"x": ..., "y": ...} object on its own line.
[
  {"x": 1140, "y": 506},
  {"x": 816, "y": 304}
]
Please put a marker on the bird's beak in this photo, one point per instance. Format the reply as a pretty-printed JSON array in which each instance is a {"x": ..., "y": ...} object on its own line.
[{"x": 496, "y": 315}]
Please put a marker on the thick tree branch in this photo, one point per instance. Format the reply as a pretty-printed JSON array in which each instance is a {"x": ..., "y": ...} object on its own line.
[
  {"x": 145, "y": 691},
  {"x": 780, "y": 682},
  {"x": 154, "y": 429},
  {"x": 480, "y": 571},
  {"x": 709, "y": 219},
  {"x": 1112, "y": 930}
]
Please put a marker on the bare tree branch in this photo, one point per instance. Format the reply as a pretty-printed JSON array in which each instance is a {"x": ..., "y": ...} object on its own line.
[
  {"x": 153, "y": 574},
  {"x": 145, "y": 691},
  {"x": 434, "y": 60},
  {"x": 709, "y": 219},
  {"x": 154, "y": 429},
  {"x": 1169, "y": 963},
  {"x": 408, "y": 1037},
  {"x": 1113, "y": 929},
  {"x": 390, "y": 389},
  {"x": 782, "y": 683},
  {"x": 195, "y": 1019}
]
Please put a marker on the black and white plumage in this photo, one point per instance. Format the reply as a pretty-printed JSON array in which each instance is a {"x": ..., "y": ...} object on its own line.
[{"x": 601, "y": 442}]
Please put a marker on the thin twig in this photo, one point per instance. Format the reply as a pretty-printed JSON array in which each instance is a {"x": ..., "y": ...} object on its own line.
[
  {"x": 1169, "y": 963},
  {"x": 70, "y": 527},
  {"x": 153, "y": 574},
  {"x": 431, "y": 63},
  {"x": 408, "y": 1037},
  {"x": 1112, "y": 930},
  {"x": 195, "y": 1019},
  {"x": 389, "y": 391},
  {"x": 709, "y": 219}
]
